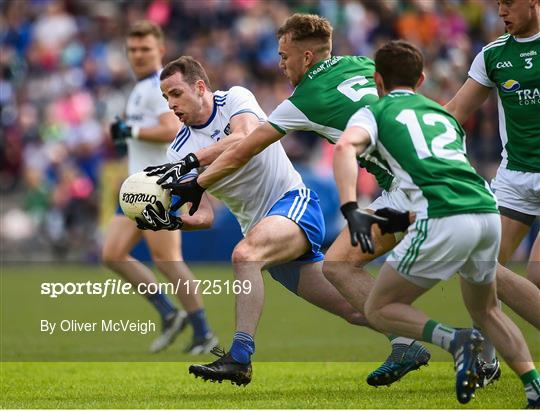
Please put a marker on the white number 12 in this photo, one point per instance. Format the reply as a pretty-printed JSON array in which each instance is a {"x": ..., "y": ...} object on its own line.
[{"x": 408, "y": 118}]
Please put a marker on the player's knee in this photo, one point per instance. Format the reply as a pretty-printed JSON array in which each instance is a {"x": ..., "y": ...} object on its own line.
[
  {"x": 504, "y": 281},
  {"x": 371, "y": 311},
  {"x": 245, "y": 252},
  {"x": 331, "y": 271},
  {"x": 111, "y": 257},
  {"x": 161, "y": 256}
]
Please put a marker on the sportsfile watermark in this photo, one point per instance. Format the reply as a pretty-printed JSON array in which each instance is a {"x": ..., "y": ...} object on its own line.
[
  {"x": 112, "y": 287},
  {"x": 70, "y": 313}
]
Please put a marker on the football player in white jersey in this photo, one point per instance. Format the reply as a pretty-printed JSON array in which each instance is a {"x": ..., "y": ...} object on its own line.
[
  {"x": 304, "y": 46},
  {"x": 148, "y": 129},
  {"x": 267, "y": 196}
]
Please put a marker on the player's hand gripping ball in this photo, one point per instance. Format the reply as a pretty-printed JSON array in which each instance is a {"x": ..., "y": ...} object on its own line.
[{"x": 140, "y": 190}]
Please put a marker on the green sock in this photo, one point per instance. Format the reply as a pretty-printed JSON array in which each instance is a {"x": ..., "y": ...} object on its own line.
[{"x": 531, "y": 382}]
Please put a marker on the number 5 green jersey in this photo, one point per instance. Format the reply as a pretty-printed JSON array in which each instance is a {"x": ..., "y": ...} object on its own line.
[
  {"x": 425, "y": 148},
  {"x": 326, "y": 98},
  {"x": 512, "y": 65}
]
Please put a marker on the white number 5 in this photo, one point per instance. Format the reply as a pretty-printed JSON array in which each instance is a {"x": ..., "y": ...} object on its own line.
[{"x": 356, "y": 94}]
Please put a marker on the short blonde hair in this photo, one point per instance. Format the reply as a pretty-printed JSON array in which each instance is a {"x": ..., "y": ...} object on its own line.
[{"x": 304, "y": 27}]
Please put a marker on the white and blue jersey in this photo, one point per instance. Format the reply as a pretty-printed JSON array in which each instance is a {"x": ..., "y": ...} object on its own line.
[
  {"x": 267, "y": 185},
  {"x": 144, "y": 107}
]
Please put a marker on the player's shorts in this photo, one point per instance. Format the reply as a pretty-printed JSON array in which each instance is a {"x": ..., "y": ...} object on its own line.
[
  {"x": 396, "y": 199},
  {"x": 434, "y": 249},
  {"x": 518, "y": 191},
  {"x": 302, "y": 207}
]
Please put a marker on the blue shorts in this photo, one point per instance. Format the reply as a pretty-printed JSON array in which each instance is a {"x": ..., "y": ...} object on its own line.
[{"x": 302, "y": 207}]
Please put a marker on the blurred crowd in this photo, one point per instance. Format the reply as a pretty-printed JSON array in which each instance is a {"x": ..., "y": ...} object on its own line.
[{"x": 64, "y": 76}]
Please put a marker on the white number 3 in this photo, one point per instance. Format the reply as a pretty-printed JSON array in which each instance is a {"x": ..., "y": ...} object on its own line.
[{"x": 529, "y": 63}]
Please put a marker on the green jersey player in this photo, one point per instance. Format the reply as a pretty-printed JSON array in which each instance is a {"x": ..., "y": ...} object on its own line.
[
  {"x": 511, "y": 65},
  {"x": 329, "y": 89},
  {"x": 424, "y": 146}
]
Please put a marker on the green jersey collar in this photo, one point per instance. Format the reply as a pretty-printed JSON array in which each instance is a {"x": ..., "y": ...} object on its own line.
[
  {"x": 527, "y": 39},
  {"x": 401, "y": 91},
  {"x": 319, "y": 67}
]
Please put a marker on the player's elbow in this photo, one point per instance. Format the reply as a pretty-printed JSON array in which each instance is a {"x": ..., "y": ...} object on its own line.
[
  {"x": 373, "y": 313},
  {"x": 342, "y": 143},
  {"x": 342, "y": 147}
]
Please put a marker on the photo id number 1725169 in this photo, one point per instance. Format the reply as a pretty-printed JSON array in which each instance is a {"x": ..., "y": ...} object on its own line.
[{"x": 209, "y": 287}]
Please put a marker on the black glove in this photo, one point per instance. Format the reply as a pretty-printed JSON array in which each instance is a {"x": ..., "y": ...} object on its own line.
[
  {"x": 159, "y": 219},
  {"x": 398, "y": 221},
  {"x": 120, "y": 131},
  {"x": 360, "y": 224},
  {"x": 190, "y": 192},
  {"x": 174, "y": 170}
]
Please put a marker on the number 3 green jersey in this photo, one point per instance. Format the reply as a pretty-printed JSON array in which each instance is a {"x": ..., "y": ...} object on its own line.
[
  {"x": 326, "y": 98},
  {"x": 425, "y": 148},
  {"x": 512, "y": 65}
]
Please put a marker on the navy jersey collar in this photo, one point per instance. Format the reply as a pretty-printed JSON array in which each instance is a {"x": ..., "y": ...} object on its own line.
[{"x": 214, "y": 111}]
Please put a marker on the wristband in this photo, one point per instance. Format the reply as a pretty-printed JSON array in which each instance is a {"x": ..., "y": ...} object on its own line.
[{"x": 192, "y": 161}]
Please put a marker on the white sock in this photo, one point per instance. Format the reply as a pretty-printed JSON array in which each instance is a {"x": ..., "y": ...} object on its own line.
[
  {"x": 402, "y": 340},
  {"x": 532, "y": 390},
  {"x": 443, "y": 336}
]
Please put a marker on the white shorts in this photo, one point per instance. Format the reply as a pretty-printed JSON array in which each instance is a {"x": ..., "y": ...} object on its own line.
[
  {"x": 517, "y": 190},
  {"x": 396, "y": 199},
  {"x": 435, "y": 249}
]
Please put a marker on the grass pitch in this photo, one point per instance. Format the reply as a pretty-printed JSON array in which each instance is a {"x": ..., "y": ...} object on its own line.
[
  {"x": 323, "y": 361},
  {"x": 275, "y": 385}
]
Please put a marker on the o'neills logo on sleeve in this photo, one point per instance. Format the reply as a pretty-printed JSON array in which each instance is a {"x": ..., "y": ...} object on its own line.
[{"x": 132, "y": 198}]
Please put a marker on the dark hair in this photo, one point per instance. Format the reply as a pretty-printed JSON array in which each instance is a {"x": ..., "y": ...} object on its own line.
[
  {"x": 307, "y": 27},
  {"x": 190, "y": 68},
  {"x": 144, "y": 28},
  {"x": 400, "y": 63}
]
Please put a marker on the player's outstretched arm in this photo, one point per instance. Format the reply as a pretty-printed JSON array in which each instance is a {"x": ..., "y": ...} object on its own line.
[
  {"x": 353, "y": 142},
  {"x": 467, "y": 100},
  {"x": 241, "y": 126},
  {"x": 237, "y": 155}
]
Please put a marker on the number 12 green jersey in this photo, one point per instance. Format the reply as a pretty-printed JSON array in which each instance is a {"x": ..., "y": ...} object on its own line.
[
  {"x": 425, "y": 148},
  {"x": 326, "y": 98}
]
